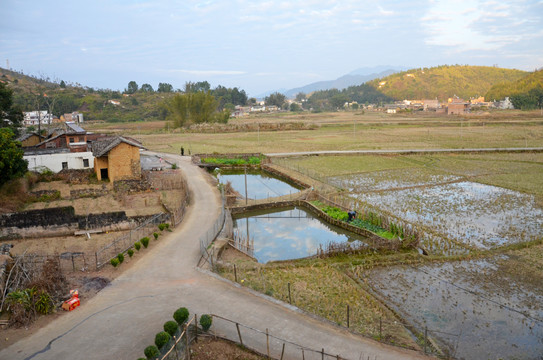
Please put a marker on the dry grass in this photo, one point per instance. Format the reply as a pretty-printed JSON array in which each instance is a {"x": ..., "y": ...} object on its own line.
[
  {"x": 349, "y": 131},
  {"x": 323, "y": 290}
]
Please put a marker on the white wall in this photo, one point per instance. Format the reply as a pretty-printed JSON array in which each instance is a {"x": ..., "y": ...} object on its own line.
[{"x": 54, "y": 161}]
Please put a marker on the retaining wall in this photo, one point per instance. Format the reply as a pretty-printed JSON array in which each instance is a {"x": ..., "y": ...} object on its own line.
[{"x": 60, "y": 221}]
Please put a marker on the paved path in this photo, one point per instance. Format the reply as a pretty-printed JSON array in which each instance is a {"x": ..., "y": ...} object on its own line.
[
  {"x": 122, "y": 319},
  {"x": 405, "y": 151}
]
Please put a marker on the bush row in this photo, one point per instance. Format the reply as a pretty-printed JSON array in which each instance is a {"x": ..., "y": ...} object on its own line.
[
  {"x": 116, "y": 261},
  {"x": 163, "y": 338}
]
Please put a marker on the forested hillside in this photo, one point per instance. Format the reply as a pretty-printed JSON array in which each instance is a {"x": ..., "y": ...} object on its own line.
[
  {"x": 529, "y": 85},
  {"x": 445, "y": 81},
  {"x": 134, "y": 103}
]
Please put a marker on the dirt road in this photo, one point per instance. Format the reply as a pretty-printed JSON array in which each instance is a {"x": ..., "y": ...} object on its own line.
[{"x": 123, "y": 319}]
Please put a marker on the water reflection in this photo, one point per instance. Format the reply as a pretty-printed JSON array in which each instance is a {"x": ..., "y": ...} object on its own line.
[
  {"x": 260, "y": 185},
  {"x": 289, "y": 234}
]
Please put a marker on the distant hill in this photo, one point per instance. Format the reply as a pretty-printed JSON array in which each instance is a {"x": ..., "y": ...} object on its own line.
[
  {"x": 445, "y": 81},
  {"x": 521, "y": 86},
  {"x": 356, "y": 77}
]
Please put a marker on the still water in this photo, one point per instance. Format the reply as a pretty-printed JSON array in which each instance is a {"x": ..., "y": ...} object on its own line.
[
  {"x": 260, "y": 185},
  {"x": 288, "y": 233}
]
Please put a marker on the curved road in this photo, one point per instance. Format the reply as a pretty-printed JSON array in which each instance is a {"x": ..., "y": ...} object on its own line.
[{"x": 122, "y": 319}]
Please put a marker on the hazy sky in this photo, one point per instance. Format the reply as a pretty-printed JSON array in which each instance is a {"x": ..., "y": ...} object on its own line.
[{"x": 260, "y": 45}]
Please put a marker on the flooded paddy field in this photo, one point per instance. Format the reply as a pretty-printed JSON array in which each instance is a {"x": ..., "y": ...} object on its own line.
[
  {"x": 260, "y": 184},
  {"x": 471, "y": 213},
  {"x": 289, "y": 233},
  {"x": 476, "y": 309}
]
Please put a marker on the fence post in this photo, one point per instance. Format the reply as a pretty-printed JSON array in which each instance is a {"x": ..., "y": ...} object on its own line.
[
  {"x": 303, "y": 354},
  {"x": 239, "y": 334},
  {"x": 175, "y": 347},
  {"x": 283, "y": 351},
  {"x": 96, "y": 257},
  {"x": 380, "y": 328},
  {"x": 73, "y": 263},
  {"x": 322, "y": 353},
  {"x": 235, "y": 273},
  {"x": 348, "y": 316},
  {"x": 196, "y": 327},
  {"x": 188, "y": 341},
  {"x": 425, "y": 337},
  {"x": 289, "y": 298},
  {"x": 268, "y": 343}
]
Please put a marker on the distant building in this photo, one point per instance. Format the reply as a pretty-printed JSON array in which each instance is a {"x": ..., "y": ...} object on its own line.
[
  {"x": 33, "y": 118},
  {"x": 504, "y": 104},
  {"x": 75, "y": 117},
  {"x": 457, "y": 106},
  {"x": 430, "y": 105}
]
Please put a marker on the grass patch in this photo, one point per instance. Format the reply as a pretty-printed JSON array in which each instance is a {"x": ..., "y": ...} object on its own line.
[
  {"x": 323, "y": 290},
  {"x": 253, "y": 160}
]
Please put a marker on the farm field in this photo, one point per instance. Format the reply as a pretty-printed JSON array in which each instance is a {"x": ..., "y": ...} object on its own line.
[
  {"x": 479, "y": 214},
  {"x": 340, "y": 131}
]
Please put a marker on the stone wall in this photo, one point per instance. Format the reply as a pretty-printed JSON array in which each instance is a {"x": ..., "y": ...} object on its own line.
[{"x": 59, "y": 222}]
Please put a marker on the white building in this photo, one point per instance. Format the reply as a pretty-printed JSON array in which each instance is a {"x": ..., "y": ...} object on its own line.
[
  {"x": 33, "y": 117},
  {"x": 60, "y": 161}
]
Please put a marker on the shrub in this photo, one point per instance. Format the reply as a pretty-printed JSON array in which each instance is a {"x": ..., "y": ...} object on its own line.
[
  {"x": 171, "y": 327},
  {"x": 151, "y": 352},
  {"x": 205, "y": 321},
  {"x": 162, "y": 226},
  {"x": 174, "y": 166},
  {"x": 120, "y": 257},
  {"x": 130, "y": 252},
  {"x": 155, "y": 234},
  {"x": 137, "y": 245},
  {"x": 114, "y": 262},
  {"x": 145, "y": 242},
  {"x": 161, "y": 339},
  {"x": 181, "y": 315},
  {"x": 44, "y": 303}
]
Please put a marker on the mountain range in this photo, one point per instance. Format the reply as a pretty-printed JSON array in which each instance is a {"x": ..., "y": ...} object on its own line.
[{"x": 355, "y": 77}]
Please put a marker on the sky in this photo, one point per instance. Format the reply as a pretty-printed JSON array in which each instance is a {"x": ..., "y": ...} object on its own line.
[{"x": 260, "y": 46}]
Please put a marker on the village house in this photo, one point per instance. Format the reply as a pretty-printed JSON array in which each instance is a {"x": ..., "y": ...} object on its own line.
[
  {"x": 29, "y": 139},
  {"x": 32, "y": 118},
  {"x": 75, "y": 117},
  {"x": 430, "y": 105},
  {"x": 117, "y": 158},
  {"x": 457, "y": 106},
  {"x": 73, "y": 138},
  {"x": 57, "y": 160}
]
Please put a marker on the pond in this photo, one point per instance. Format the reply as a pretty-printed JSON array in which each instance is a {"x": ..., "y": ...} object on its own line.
[
  {"x": 288, "y": 233},
  {"x": 260, "y": 184},
  {"x": 472, "y": 308}
]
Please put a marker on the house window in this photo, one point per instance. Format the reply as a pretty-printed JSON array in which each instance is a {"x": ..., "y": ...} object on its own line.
[
  {"x": 85, "y": 162},
  {"x": 64, "y": 165},
  {"x": 72, "y": 140}
]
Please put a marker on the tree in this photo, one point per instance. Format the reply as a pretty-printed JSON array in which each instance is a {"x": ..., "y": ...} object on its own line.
[
  {"x": 197, "y": 86},
  {"x": 146, "y": 88},
  {"x": 131, "y": 88},
  {"x": 11, "y": 116},
  {"x": 300, "y": 96},
  {"x": 276, "y": 99},
  {"x": 295, "y": 107},
  {"x": 62, "y": 84},
  {"x": 195, "y": 108},
  {"x": 12, "y": 164},
  {"x": 164, "y": 87}
]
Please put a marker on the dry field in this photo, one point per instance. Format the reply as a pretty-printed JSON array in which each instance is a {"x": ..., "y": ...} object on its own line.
[{"x": 346, "y": 131}]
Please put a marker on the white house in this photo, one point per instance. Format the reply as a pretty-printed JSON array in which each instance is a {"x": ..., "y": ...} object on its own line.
[
  {"x": 33, "y": 117},
  {"x": 59, "y": 161}
]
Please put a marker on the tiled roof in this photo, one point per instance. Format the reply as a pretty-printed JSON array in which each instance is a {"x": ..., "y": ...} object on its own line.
[{"x": 102, "y": 147}]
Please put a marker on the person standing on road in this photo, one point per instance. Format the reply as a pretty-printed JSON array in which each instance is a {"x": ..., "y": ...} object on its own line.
[{"x": 182, "y": 151}]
